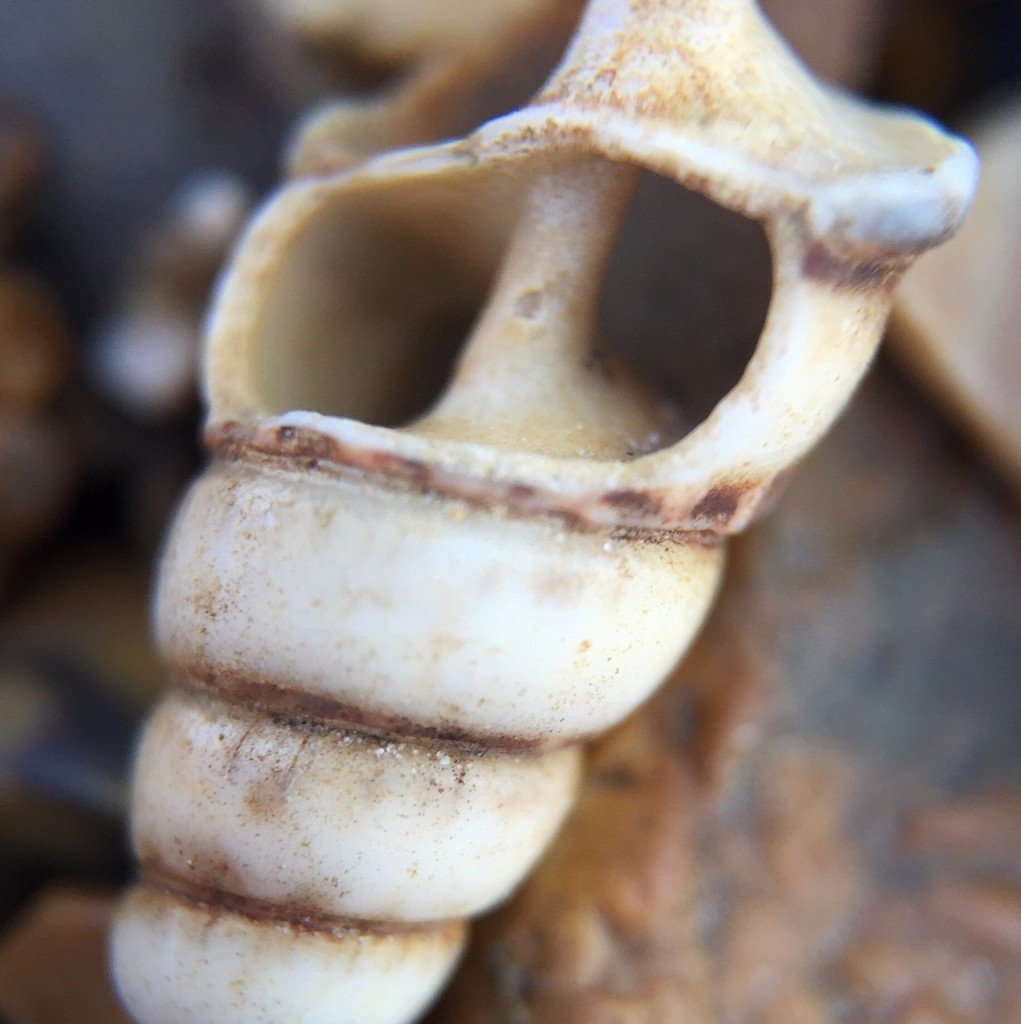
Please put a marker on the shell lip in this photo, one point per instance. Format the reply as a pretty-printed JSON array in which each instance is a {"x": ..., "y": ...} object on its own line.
[
  {"x": 902, "y": 208},
  {"x": 692, "y": 498},
  {"x": 899, "y": 211},
  {"x": 849, "y": 195},
  {"x": 593, "y": 494}
]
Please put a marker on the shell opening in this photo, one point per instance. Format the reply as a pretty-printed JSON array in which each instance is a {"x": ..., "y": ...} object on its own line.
[
  {"x": 686, "y": 295},
  {"x": 377, "y": 289},
  {"x": 365, "y": 312}
]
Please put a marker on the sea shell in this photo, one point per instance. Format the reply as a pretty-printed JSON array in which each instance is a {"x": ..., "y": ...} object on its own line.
[{"x": 387, "y": 642}]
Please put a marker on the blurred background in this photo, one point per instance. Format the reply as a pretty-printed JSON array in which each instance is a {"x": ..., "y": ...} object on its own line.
[{"x": 135, "y": 140}]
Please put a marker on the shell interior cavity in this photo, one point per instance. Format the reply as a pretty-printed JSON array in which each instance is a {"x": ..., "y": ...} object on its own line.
[{"x": 388, "y": 630}]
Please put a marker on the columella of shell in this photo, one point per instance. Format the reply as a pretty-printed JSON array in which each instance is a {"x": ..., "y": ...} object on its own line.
[{"x": 387, "y": 643}]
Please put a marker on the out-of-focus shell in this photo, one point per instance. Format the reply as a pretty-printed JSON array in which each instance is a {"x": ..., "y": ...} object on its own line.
[
  {"x": 957, "y": 319},
  {"x": 438, "y": 63},
  {"x": 407, "y": 31},
  {"x": 145, "y": 357}
]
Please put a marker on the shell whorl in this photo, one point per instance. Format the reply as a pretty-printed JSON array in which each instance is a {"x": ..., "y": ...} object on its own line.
[{"x": 375, "y": 729}]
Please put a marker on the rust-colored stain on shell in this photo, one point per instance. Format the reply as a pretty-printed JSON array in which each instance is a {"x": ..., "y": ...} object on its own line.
[
  {"x": 633, "y": 501},
  {"x": 821, "y": 265},
  {"x": 719, "y": 505}
]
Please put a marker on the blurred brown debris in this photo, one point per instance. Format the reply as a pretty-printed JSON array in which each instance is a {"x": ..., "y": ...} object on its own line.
[
  {"x": 91, "y": 609},
  {"x": 76, "y": 670},
  {"x": 36, "y": 465},
  {"x": 21, "y": 164},
  {"x": 36, "y": 343}
]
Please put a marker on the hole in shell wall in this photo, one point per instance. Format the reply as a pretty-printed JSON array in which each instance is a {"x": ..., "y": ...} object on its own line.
[
  {"x": 371, "y": 302},
  {"x": 686, "y": 295}
]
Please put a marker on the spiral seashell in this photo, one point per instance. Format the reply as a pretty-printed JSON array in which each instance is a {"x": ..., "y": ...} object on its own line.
[{"x": 387, "y": 642}]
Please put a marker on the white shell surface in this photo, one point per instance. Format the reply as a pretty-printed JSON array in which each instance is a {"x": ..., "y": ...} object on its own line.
[
  {"x": 339, "y": 824},
  {"x": 412, "y": 607},
  {"x": 178, "y": 963}
]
